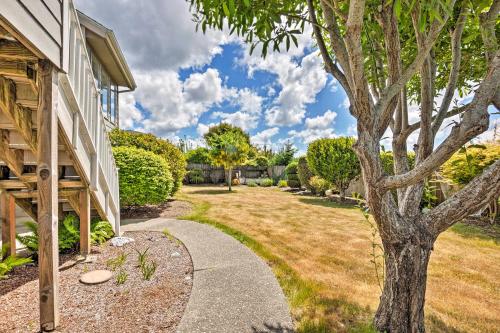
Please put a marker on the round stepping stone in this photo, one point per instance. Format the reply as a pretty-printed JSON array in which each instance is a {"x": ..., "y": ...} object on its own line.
[{"x": 96, "y": 277}]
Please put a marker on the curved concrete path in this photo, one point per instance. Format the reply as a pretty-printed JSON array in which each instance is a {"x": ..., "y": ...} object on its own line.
[{"x": 233, "y": 289}]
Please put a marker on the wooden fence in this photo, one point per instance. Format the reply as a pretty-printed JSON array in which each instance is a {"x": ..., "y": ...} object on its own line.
[{"x": 215, "y": 175}]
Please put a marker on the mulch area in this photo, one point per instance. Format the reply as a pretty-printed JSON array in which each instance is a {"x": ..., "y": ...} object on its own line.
[
  {"x": 137, "y": 305},
  {"x": 169, "y": 209}
]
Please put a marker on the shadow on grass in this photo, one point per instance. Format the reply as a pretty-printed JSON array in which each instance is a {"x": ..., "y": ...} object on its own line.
[
  {"x": 486, "y": 232},
  {"x": 325, "y": 203},
  {"x": 211, "y": 192}
]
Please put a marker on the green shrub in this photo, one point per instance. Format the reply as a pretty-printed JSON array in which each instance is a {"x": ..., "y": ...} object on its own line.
[
  {"x": 267, "y": 182},
  {"x": 304, "y": 173},
  {"x": 100, "y": 231},
  {"x": 284, "y": 156},
  {"x": 291, "y": 174},
  {"x": 319, "y": 185},
  {"x": 195, "y": 176},
  {"x": 469, "y": 162},
  {"x": 292, "y": 167},
  {"x": 335, "y": 161},
  {"x": 144, "y": 177},
  {"x": 252, "y": 184},
  {"x": 7, "y": 263},
  {"x": 282, "y": 183},
  {"x": 293, "y": 183},
  {"x": 173, "y": 156},
  {"x": 68, "y": 234},
  {"x": 200, "y": 155},
  {"x": 258, "y": 161}
]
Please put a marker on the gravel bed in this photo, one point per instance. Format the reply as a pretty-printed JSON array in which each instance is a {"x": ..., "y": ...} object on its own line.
[{"x": 137, "y": 305}]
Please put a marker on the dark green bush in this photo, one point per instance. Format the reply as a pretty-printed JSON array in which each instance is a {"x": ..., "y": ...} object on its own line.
[
  {"x": 304, "y": 173},
  {"x": 293, "y": 183},
  {"x": 335, "y": 161},
  {"x": 175, "y": 158},
  {"x": 291, "y": 174},
  {"x": 144, "y": 177},
  {"x": 195, "y": 176},
  {"x": 199, "y": 155}
]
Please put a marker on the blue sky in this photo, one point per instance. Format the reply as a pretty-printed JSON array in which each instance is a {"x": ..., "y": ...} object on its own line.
[{"x": 188, "y": 80}]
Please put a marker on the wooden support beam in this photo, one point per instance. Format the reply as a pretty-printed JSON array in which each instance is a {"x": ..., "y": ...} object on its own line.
[
  {"x": 19, "y": 115},
  {"x": 28, "y": 207},
  {"x": 84, "y": 222},
  {"x": 13, "y": 158},
  {"x": 47, "y": 173},
  {"x": 8, "y": 215},
  {"x": 13, "y": 50},
  {"x": 14, "y": 184}
]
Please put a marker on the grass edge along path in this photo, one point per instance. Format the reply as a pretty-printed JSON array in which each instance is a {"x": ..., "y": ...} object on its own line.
[{"x": 310, "y": 310}]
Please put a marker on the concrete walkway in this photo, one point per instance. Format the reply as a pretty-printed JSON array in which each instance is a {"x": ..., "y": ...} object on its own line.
[{"x": 233, "y": 289}]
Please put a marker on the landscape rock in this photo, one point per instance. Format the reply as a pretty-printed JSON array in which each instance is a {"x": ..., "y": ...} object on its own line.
[
  {"x": 120, "y": 241},
  {"x": 96, "y": 277}
]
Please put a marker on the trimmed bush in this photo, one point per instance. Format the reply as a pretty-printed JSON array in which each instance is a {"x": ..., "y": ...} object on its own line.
[
  {"x": 319, "y": 185},
  {"x": 469, "y": 162},
  {"x": 282, "y": 183},
  {"x": 335, "y": 161},
  {"x": 267, "y": 182},
  {"x": 144, "y": 177},
  {"x": 199, "y": 155},
  {"x": 195, "y": 176},
  {"x": 261, "y": 161},
  {"x": 304, "y": 173},
  {"x": 175, "y": 159},
  {"x": 291, "y": 174},
  {"x": 252, "y": 184}
]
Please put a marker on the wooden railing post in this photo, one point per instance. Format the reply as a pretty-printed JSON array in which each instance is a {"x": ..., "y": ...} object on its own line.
[
  {"x": 47, "y": 176},
  {"x": 8, "y": 212},
  {"x": 84, "y": 222}
]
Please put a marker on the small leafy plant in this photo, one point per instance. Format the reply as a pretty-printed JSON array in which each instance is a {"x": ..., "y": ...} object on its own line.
[
  {"x": 119, "y": 261},
  {"x": 148, "y": 270},
  {"x": 9, "y": 262},
  {"x": 121, "y": 277},
  {"x": 252, "y": 184},
  {"x": 100, "y": 231},
  {"x": 267, "y": 182},
  {"x": 142, "y": 257},
  {"x": 167, "y": 234},
  {"x": 282, "y": 183}
]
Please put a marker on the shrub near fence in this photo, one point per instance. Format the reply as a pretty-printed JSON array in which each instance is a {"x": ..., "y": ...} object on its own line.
[{"x": 216, "y": 175}]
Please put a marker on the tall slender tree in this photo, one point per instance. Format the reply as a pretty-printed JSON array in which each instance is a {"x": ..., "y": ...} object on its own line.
[
  {"x": 387, "y": 54},
  {"x": 229, "y": 147}
]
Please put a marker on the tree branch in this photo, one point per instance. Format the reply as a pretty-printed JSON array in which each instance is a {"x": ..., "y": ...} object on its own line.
[
  {"x": 474, "y": 196},
  {"x": 329, "y": 64},
  {"x": 456, "y": 57},
  {"x": 415, "y": 126},
  {"x": 393, "y": 89},
  {"x": 475, "y": 121}
]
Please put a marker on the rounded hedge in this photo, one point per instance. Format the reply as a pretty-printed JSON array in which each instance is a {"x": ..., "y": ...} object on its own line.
[
  {"x": 334, "y": 160},
  {"x": 304, "y": 173},
  {"x": 144, "y": 177},
  {"x": 173, "y": 156}
]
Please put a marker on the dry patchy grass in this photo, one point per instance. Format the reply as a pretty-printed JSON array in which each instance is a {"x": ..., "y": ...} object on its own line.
[{"x": 320, "y": 252}]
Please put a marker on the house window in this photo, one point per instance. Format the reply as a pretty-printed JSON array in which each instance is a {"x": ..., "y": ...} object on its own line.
[{"x": 107, "y": 88}]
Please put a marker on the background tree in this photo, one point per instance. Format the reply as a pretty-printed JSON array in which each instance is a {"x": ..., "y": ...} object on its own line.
[
  {"x": 285, "y": 155},
  {"x": 304, "y": 172},
  {"x": 229, "y": 147},
  {"x": 200, "y": 155},
  {"x": 335, "y": 161},
  {"x": 386, "y": 55}
]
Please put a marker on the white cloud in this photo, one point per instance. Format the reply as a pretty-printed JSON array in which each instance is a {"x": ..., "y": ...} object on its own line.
[
  {"x": 321, "y": 122},
  {"x": 264, "y": 137},
  {"x": 316, "y": 128},
  {"x": 156, "y": 34},
  {"x": 173, "y": 104},
  {"x": 130, "y": 115},
  {"x": 246, "y": 121}
]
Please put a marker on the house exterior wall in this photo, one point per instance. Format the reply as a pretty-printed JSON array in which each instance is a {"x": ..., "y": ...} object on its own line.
[{"x": 40, "y": 22}]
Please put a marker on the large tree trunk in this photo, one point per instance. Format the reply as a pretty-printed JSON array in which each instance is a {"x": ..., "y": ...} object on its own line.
[{"x": 401, "y": 307}]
